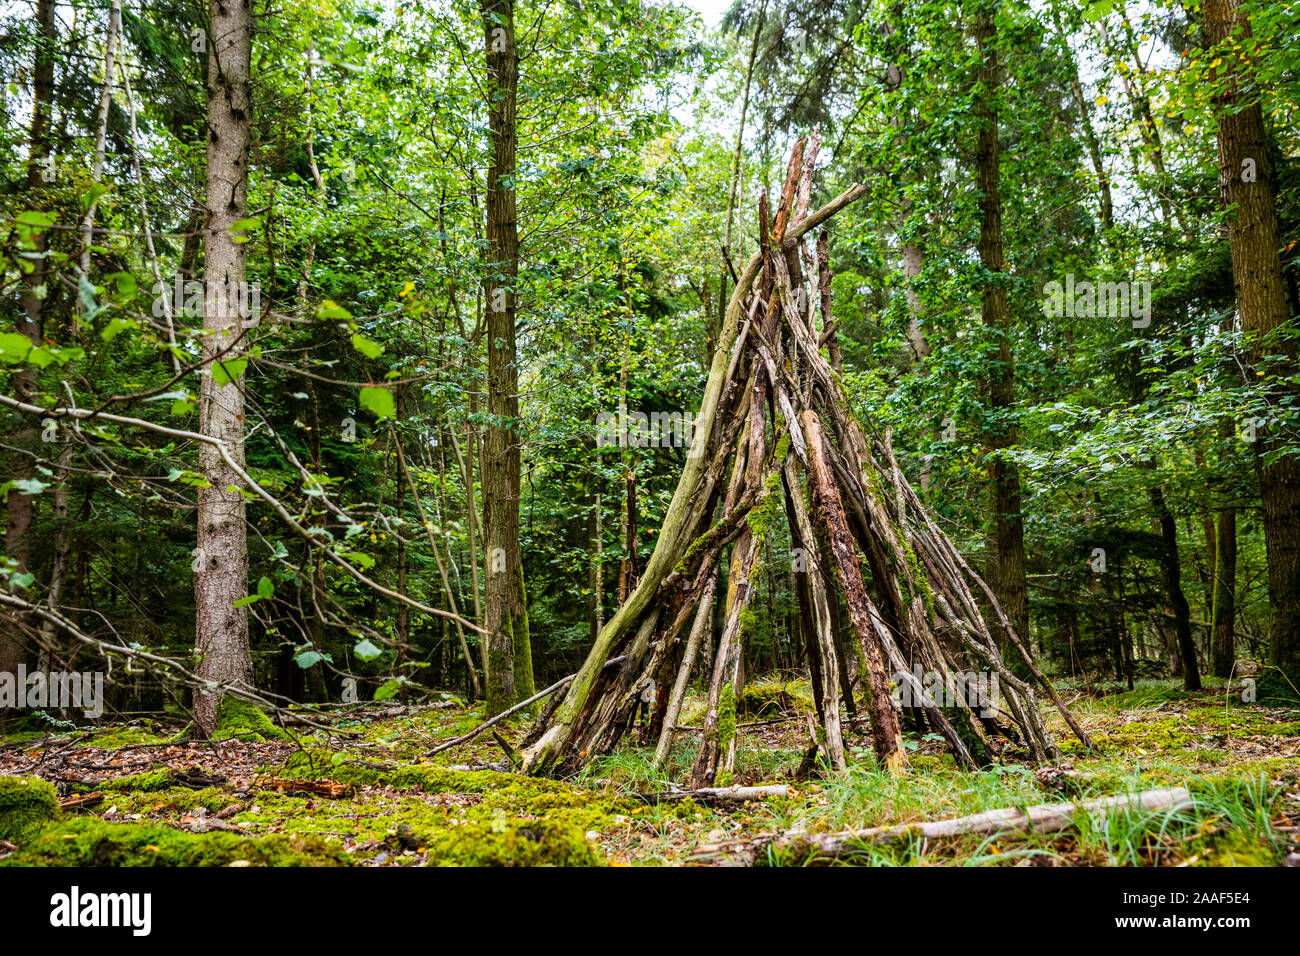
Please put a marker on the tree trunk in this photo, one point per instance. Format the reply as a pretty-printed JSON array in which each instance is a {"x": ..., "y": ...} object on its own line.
[
  {"x": 1223, "y": 643},
  {"x": 59, "y": 568},
  {"x": 221, "y": 634},
  {"x": 1006, "y": 539},
  {"x": 509, "y": 677},
  {"x": 21, "y": 507},
  {"x": 1249, "y": 194},
  {"x": 1171, "y": 577}
]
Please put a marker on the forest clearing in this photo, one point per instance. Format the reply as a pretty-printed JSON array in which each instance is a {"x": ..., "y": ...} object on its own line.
[
  {"x": 368, "y": 795},
  {"x": 640, "y": 434}
]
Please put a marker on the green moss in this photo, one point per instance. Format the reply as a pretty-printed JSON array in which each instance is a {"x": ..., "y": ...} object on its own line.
[
  {"x": 1193, "y": 729},
  {"x": 1277, "y": 688},
  {"x": 178, "y": 799},
  {"x": 772, "y": 698},
  {"x": 157, "y": 778},
  {"x": 26, "y": 805},
  {"x": 125, "y": 737},
  {"x": 241, "y": 720},
  {"x": 748, "y": 620},
  {"x": 783, "y": 447},
  {"x": 930, "y": 762},
  {"x": 764, "y": 512},
  {"x": 506, "y": 842},
  {"x": 514, "y": 794},
  {"x": 89, "y": 841},
  {"x": 699, "y": 544},
  {"x": 1233, "y": 848},
  {"x": 919, "y": 575}
]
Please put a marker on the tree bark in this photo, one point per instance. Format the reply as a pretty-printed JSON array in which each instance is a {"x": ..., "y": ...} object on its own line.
[
  {"x": 1006, "y": 538},
  {"x": 1223, "y": 639},
  {"x": 829, "y": 508},
  {"x": 221, "y": 634},
  {"x": 21, "y": 507},
  {"x": 1171, "y": 577},
  {"x": 509, "y": 659},
  {"x": 1249, "y": 194}
]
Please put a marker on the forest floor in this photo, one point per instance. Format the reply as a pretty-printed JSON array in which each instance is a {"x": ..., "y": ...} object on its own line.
[{"x": 364, "y": 794}]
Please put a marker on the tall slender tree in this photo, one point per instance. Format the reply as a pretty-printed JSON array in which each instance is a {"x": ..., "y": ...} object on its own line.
[
  {"x": 20, "y": 507},
  {"x": 1006, "y": 535},
  {"x": 509, "y": 660},
  {"x": 221, "y": 578}
]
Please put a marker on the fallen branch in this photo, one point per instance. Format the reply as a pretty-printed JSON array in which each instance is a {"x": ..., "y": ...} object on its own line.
[
  {"x": 715, "y": 795},
  {"x": 1043, "y": 818}
]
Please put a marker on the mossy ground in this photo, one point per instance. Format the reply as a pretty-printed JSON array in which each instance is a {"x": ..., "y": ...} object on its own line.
[
  {"x": 27, "y": 804},
  {"x": 87, "y": 841},
  {"x": 241, "y": 720},
  {"x": 270, "y": 803}
]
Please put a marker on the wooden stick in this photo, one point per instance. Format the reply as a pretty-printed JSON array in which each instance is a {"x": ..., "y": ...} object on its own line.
[
  {"x": 829, "y": 508},
  {"x": 1043, "y": 818},
  {"x": 719, "y": 794}
]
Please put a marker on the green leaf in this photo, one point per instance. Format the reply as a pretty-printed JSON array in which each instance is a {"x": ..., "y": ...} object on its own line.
[
  {"x": 378, "y": 401},
  {"x": 115, "y": 327},
  {"x": 329, "y": 309},
  {"x": 366, "y": 347},
  {"x": 1098, "y": 10},
  {"x": 390, "y": 689},
  {"x": 245, "y": 601},
  {"x": 41, "y": 357},
  {"x": 33, "y": 217},
  {"x": 240, "y": 226},
  {"x": 356, "y": 557},
  {"x": 86, "y": 294},
  {"x": 264, "y": 587},
  {"x": 223, "y": 373},
  {"x": 93, "y": 194},
  {"x": 14, "y": 347},
  {"x": 28, "y": 486},
  {"x": 125, "y": 282},
  {"x": 308, "y": 658},
  {"x": 365, "y": 650}
]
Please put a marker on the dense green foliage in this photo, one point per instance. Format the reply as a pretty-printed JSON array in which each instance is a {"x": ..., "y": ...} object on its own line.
[{"x": 365, "y": 375}]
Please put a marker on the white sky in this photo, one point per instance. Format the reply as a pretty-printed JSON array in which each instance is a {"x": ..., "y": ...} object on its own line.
[{"x": 711, "y": 10}]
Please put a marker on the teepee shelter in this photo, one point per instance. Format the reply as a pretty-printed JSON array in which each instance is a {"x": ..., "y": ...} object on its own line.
[{"x": 775, "y": 432}]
